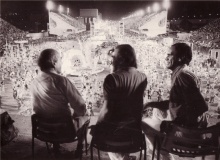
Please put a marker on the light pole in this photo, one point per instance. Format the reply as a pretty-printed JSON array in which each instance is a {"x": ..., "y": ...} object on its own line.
[
  {"x": 156, "y": 7},
  {"x": 148, "y": 10},
  {"x": 166, "y": 5},
  {"x": 60, "y": 9},
  {"x": 49, "y": 6},
  {"x": 68, "y": 11}
]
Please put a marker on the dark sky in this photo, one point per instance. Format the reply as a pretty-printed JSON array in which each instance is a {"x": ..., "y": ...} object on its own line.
[{"x": 113, "y": 10}]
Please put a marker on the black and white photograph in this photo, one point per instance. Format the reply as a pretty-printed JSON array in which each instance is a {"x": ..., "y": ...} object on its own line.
[{"x": 110, "y": 79}]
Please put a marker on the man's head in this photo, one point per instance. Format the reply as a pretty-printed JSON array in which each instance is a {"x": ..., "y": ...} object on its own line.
[
  {"x": 124, "y": 56},
  {"x": 50, "y": 59},
  {"x": 180, "y": 54}
]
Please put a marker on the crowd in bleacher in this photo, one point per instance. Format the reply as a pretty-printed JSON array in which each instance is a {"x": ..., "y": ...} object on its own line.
[
  {"x": 208, "y": 35},
  {"x": 10, "y": 33},
  {"x": 70, "y": 20},
  {"x": 142, "y": 21},
  {"x": 128, "y": 22}
]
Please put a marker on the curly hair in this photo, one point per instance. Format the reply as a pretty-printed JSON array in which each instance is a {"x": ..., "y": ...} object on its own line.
[{"x": 125, "y": 57}]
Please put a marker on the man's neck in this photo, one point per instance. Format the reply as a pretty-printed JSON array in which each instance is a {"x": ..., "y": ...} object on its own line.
[
  {"x": 52, "y": 70},
  {"x": 174, "y": 71},
  {"x": 175, "y": 68}
]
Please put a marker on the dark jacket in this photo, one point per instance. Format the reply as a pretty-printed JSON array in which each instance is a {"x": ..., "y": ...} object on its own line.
[{"x": 186, "y": 103}]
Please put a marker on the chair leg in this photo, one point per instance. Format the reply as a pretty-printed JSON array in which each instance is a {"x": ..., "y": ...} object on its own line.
[
  {"x": 48, "y": 149},
  {"x": 99, "y": 154},
  {"x": 145, "y": 149},
  {"x": 145, "y": 153},
  {"x": 155, "y": 143},
  {"x": 158, "y": 149},
  {"x": 80, "y": 157},
  {"x": 86, "y": 143},
  {"x": 140, "y": 153},
  {"x": 32, "y": 147},
  {"x": 91, "y": 151},
  {"x": 217, "y": 156}
]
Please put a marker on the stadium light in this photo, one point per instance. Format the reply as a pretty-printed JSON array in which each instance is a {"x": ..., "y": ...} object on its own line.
[
  {"x": 140, "y": 12},
  {"x": 49, "y": 5},
  {"x": 148, "y": 10},
  {"x": 156, "y": 7},
  {"x": 60, "y": 8},
  {"x": 68, "y": 11},
  {"x": 166, "y": 4}
]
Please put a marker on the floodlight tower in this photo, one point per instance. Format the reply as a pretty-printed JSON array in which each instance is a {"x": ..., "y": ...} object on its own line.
[
  {"x": 156, "y": 7},
  {"x": 60, "y": 9},
  {"x": 141, "y": 12},
  {"x": 166, "y": 5},
  {"x": 68, "y": 11},
  {"x": 148, "y": 10},
  {"x": 49, "y": 6}
]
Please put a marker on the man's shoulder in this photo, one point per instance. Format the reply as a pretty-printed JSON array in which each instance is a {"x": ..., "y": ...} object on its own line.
[
  {"x": 55, "y": 77},
  {"x": 61, "y": 80},
  {"x": 59, "y": 77},
  {"x": 124, "y": 76},
  {"x": 141, "y": 74},
  {"x": 111, "y": 76},
  {"x": 187, "y": 74},
  {"x": 132, "y": 72},
  {"x": 186, "y": 77}
]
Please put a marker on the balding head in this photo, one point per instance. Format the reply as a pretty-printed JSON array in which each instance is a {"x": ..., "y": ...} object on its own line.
[{"x": 49, "y": 59}]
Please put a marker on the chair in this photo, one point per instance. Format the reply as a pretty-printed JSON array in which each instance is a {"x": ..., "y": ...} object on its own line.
[
  {"x": 55, "y": 131},
  {"x": 119, "y": 144},
  {"x": 193, "y": 142},
  {"x": 158, "y": 138},
  {"x": 186, "y": 142}
]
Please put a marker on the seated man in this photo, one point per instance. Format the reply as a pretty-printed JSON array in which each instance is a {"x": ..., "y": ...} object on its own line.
[
  {"x": 52, "y": 93},
  {"x": 186, "y": 103},
  {"x": 123, "y": 94}
]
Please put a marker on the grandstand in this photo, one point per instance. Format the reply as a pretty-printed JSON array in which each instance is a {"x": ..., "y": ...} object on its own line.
[
  {"x": 61, "y": 24},
  {"x": 208, "y": 36},
  {"x": 150, "y": 24},
  {"x": 128, "y": 22},
  {"x": 10, "y": 33},
  {"x": 142, "y": 21}
]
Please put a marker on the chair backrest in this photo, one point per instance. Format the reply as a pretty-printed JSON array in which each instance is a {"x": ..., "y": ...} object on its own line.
[
  {"x": 148, "y": 130},
  {"x": 53, "y": 130},
  {"x": 123, "y": 141},
  {"x": 83, "y": 130},
  {"x": 192, "y": 142}
]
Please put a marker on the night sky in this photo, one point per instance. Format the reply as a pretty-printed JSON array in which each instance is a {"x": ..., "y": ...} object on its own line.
[{"x": 113, "y": 10}]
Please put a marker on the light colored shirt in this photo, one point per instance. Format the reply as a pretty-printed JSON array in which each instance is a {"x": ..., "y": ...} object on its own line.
[{"x": 51, "y": 94}]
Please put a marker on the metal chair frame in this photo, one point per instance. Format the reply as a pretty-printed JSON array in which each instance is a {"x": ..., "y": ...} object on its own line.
[
  {"x": 191, "y": 144},
  {"x": 94, "y": 144},
  {"x": 46, "y": 129}
]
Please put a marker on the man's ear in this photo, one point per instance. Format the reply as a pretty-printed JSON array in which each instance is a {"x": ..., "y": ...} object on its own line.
[{"x": 53, "y": 62}]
